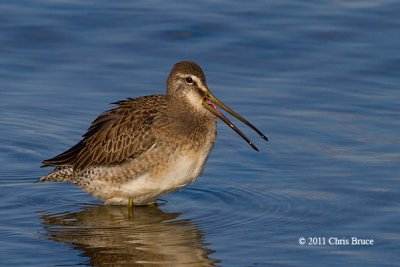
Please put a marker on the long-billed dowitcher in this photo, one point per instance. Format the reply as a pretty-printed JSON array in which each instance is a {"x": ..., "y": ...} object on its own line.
[{"x": 147, "y": 146}]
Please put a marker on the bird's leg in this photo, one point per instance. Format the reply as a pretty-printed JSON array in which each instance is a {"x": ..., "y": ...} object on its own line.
[
  {"x": 130, "y": 203},
  {"x": 130, "y": 208}
]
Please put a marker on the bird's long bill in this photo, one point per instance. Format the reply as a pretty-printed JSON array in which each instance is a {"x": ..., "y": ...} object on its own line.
[{"x": 211, "y": 102}]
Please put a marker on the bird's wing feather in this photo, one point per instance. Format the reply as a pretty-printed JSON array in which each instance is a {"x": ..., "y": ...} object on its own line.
[{"x": 119, "y": 134}]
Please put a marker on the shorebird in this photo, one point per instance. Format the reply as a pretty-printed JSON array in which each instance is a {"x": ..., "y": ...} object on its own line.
[{"x": 148, "y": 146}]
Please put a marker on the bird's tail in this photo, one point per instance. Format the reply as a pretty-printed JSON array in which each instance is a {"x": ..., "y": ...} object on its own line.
[{"x": 59, "y": 174}]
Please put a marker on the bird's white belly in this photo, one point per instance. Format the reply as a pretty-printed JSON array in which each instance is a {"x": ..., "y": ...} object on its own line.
[{"x": 182, "y": 170}]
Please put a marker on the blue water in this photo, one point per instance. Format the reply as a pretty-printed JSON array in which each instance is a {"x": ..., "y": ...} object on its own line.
[{"x": 320, "y": 78}]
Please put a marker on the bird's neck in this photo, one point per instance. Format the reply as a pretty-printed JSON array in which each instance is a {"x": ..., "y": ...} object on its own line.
[{"x": 189, "y": 118}]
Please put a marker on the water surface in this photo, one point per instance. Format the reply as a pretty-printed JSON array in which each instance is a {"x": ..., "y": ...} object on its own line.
[{"x": 321, "y": 78}]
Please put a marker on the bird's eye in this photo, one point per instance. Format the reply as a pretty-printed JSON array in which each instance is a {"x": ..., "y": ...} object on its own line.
[{"x": 189, "y": 80}]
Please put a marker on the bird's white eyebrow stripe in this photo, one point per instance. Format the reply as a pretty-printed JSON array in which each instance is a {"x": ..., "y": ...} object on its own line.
[
  {"x": 185, "y": 75},
  {"x": 194, "y": 77},
  {"x": 199, "y": 83}
]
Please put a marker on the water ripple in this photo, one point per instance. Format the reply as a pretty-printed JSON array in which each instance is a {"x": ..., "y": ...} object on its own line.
[{"x": 227, "y": 206}]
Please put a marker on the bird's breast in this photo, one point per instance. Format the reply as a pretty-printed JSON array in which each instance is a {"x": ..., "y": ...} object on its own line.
[
  {"x": 176, "y": 159},
  {"x": 170, "y": 174},
  {"x": 186, "y": 167}
]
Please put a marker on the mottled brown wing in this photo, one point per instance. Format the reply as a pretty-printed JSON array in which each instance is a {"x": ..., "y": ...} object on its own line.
[{"x": 119, "y": 134}]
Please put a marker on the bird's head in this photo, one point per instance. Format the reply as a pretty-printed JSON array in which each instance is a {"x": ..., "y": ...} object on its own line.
[{"x": 187, "y": 81}]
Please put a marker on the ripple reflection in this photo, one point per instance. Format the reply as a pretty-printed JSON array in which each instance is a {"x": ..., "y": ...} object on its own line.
[{"x": 110, "y": 235}]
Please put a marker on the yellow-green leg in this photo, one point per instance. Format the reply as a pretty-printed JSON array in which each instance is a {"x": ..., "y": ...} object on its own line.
[
  {"x": 130, "y": 203},
  {"x": 130, "y": 208}
]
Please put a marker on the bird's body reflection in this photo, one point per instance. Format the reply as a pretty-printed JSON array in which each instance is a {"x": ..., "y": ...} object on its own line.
[{"x": 112, "y": 236}]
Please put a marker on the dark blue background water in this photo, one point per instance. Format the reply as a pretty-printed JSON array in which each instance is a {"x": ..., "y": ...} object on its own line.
[{"x": 321, "y": 78}]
